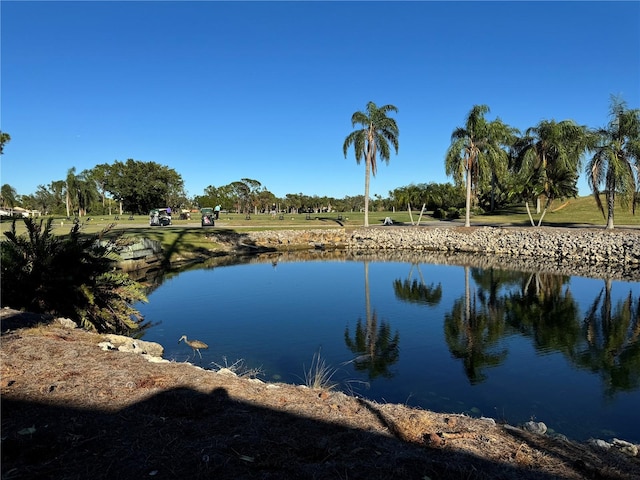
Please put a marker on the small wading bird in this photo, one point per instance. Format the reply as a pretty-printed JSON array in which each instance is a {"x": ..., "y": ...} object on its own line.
[{"x": 195, "y": 344}]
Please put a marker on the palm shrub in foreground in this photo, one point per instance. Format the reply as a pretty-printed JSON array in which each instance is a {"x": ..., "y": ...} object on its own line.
[{"x": 71, "y": 276}]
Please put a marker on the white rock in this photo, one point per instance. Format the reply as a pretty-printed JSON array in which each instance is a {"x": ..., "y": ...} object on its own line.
[{"x": 535, "y": 427}]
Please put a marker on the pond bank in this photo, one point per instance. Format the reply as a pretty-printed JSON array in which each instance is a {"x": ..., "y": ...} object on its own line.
[{"x": 584, "y": 252}]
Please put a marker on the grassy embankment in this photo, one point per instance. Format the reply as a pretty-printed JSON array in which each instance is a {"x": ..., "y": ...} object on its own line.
[{"x": 188, "y": 235}]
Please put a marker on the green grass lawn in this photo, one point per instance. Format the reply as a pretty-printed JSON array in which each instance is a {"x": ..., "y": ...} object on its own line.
[
  {"x": 188, "y": 234},
  {"x": 186, "y": 237}
]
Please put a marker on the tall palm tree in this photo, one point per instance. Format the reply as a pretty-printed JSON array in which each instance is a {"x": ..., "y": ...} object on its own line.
[
  {"x": 378, "y": 130},
  {"x": 70, "y": 190},
  {"x": 475, "y": 152},
  {"x": 550, "y": 152},
  {"x": 8, "y": 196},
  {"x": 616, "y": 159}
]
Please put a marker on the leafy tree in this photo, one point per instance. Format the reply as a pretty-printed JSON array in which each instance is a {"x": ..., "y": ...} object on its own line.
[
  {"x": 141, "y": 186},
  {"x": 616, "y": 159},
  {"x": 252, "y": 189},
  {"x": 433, "y": 195},
  {"x": 475, "y": 152},
  {"x": 265, "y": 199},
  {"x": 57, "y": 190},
  {"x": 378, "y": 130},
  {"x": 100, "y": 175},
  {"x": 4, "y": 139},
  {"x": 210, "y": 198},
  {"x": 241, "y": 195},
  {"x": 68, "y": 276},
  {"x": 9, "y": 195},
  {"x": 86, "y": 192}
]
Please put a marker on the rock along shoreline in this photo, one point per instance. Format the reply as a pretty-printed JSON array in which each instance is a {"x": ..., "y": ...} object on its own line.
[{"x": 585, "y": 252}]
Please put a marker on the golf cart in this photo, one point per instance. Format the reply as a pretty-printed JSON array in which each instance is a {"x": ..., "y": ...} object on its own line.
[
  {"x": 160, "y": 217},
  {"x": 207, "y": 217}
]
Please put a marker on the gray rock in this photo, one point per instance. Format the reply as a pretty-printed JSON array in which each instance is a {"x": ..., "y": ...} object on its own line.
[
  {"x": 596, "y": 442},
  {"x": 535, "y": 427},
  {"x": 132, "y": 345},
  {"x": 66, "y": 323},
  {"x": 625, "y": 447}
]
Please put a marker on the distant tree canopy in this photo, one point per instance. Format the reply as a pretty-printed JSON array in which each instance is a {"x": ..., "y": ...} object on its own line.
[
  {"x": 432, "y": 195},
  {"x": 142, "y": 186}
]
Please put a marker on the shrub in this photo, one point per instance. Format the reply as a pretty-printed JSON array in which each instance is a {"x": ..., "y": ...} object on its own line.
[
  {"x": 439, "y": 213},
  {"x": 68, "y": 276},
  {"x": 453, "y": 213}
]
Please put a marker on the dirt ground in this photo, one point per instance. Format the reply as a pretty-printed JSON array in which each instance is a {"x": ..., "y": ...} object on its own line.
[{"x": 71, "y": 410}]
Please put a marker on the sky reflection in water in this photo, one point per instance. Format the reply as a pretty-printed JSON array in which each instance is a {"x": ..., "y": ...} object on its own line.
[{"x": 509, "y": 345}]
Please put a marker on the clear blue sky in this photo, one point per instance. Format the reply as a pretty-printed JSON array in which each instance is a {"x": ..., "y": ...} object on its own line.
[{"x": 221, "y": 91}]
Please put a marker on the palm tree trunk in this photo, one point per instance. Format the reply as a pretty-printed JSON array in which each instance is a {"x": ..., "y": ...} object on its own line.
[
  {"x": 467, "y": 216},
  {"x": 526, "y": 204},
  {"x": 367, "y": 169},
  {"x": 610, "y": 205}
]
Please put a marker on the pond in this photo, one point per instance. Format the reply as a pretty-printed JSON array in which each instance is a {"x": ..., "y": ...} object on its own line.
[{"x": 484, "y": 341}]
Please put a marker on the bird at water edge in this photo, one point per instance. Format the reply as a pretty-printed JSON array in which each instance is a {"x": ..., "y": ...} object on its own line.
[{"x": 195, "y": 344}]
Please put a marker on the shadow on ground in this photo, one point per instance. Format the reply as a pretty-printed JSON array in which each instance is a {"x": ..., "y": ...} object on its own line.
[{"x": 181, "y": 433}]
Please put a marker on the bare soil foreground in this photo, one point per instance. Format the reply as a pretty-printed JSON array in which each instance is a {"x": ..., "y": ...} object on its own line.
[{"x": 71, "y": 410}]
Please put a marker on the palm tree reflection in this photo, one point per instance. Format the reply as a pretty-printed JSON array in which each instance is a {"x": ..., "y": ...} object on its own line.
[
  {"x": 374, "y": 343},
  {"x": 413, "y": 291},
  {"x": 547, "y": 312},
  {"x": 472, "y": 332},
  {"x": 613, "y": 341}
]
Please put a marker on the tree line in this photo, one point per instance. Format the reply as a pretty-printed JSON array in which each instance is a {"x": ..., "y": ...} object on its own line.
[{"x": 492, "y": 164}]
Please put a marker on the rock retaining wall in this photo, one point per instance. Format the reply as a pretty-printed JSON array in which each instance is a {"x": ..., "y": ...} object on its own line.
[{"x": 576, "y": 251}]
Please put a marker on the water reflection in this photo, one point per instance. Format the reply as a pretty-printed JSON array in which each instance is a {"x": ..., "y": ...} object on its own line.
[
  {"x": 611, "y": 333},
  {"x": 413, "y": 291},
  {"x": 474, "y": 337},
  {"x": 544, "y": 309},
  {"x": 376, "y": 348},
  {"x": 473, "y": 329}
]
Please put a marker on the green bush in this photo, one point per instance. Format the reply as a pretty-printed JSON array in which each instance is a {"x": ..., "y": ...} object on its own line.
[
  {"x": 439, "y": 213},
  {"x": 453, "y": 213},
  {"x": 69, "y": 276}
]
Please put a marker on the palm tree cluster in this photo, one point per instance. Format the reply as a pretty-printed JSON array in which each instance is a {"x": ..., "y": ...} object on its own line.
[
  {"x": 544, "y": 162},
  {"x": 492, "y": 159}
]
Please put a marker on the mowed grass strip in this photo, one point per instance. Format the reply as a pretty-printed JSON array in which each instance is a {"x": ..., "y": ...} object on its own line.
[{"x": 189, "y": 235}]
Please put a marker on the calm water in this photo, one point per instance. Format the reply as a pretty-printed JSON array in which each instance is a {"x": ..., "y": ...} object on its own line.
[{"x": 505, "y": 344}]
